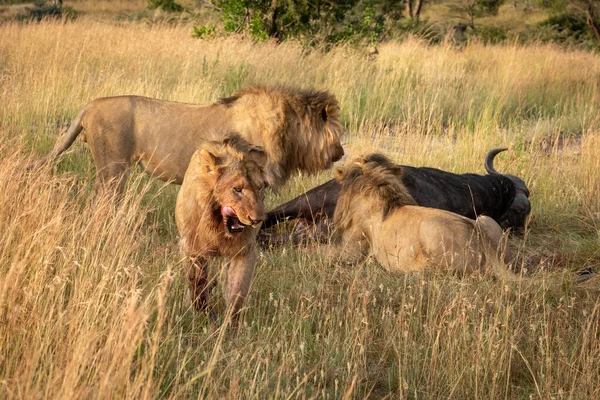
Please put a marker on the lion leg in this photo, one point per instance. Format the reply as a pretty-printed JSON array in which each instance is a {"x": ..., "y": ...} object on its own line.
[
  {"x": 239, "y": 276},
  {"x": 200, "y": 287},
  {"x": 354, "y": 247},
  {"x": 112, "y": 178},
  {"x": 112, "y": 160}
]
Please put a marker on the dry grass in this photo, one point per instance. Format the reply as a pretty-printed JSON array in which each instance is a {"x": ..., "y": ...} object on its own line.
[{"x": 92, "y": 297}]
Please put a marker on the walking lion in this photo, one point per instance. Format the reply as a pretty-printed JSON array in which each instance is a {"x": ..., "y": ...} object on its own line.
[
  {"x": 218, "y": 212},
  {"x": 298, "y": 129}
]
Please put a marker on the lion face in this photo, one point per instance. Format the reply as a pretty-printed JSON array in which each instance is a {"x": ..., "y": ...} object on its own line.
[
  {"x": 372, "y": 179},
  {"x": 240, "y": 193},
  {"x": 325, "y": 123},
  {"x": 234, "y": 171}
]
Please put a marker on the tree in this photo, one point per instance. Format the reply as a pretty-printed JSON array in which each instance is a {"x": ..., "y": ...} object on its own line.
[
  {"x": 165, "y": 5},
  {"x": 413, "y": 9},
  {"x": 589, "y": 10},
  {"x": 588, "y": 7},
  {"x": 489, "y": 7},
  {"x": 286, "y": 18},
  {"x": 478, "y": 8}
]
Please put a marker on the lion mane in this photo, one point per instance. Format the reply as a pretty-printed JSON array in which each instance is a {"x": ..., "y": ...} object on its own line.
[
  {"x": 298, "y": 129},
  {"x": 375, "y": 215},
  {"x": 387, "y": 190},
  {"x": 218, "y": 212}
]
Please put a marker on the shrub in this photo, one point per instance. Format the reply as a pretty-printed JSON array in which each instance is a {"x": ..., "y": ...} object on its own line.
[
  {"x": 49, "y": 11},
  {"x": 203, "y": 31},
  {"x": 165, "y": 5},
  {"x": 567, "y": 29},
  {"x": 490, "y": 34}
]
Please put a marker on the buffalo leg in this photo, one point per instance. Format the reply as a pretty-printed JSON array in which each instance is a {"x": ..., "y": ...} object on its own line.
[{"x": 312, "y": 205}]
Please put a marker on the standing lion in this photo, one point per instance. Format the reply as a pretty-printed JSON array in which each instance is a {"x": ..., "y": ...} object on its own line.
[
  {"x": 218, "y": 213},
  {"x": 376, "y": 215},
  {"x": 298, "y": 129}
]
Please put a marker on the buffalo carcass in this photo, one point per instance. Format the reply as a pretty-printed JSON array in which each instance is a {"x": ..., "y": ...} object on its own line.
[{"x": 503, "y": 197}]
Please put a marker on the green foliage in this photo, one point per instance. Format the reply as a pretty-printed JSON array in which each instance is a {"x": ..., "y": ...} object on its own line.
[
  {"x": 44, "y": 11},
  {"x": 365, "y": 26},
  {"x": 371, "y": 21},
  {"x": 256, "y": 28},
  {"x": 203, "y": 31},
  {"x": 567, "y": 28},
  {"x": 472, "y": 9},
  {"x": 422, "y": 28},
  {"x": 233, "y": 14},
  {"x": 569, "y": 23},
  {"x": 50, "y": 11},
  {"x": 331, "y": 21},
  {"x": 491, "y": 34},
  {"x": 489, "y": 6},
  {"x": 554, "y": 5},
  {"x": 165, "y": 5}
]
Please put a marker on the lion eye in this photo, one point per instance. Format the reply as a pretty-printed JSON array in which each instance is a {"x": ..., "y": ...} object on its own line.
[{"x": 237, "y": 189}]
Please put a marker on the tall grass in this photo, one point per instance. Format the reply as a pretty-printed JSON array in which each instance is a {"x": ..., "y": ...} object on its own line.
[{"x": 93, "y": 297}]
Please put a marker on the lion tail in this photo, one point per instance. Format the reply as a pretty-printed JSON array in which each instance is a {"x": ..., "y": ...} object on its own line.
[{"x": 73, "y": 131}]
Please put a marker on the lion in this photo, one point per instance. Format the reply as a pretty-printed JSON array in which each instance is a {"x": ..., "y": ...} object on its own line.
[
  {"x": 218, "y": 212},
  {"x": 298, "y": 129},
  {"x": 376, "y": 215}
]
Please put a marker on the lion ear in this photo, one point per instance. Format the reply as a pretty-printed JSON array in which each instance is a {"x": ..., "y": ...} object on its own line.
[
  {"x": 339, "y": 174},
  {"x": 397, "y": 170},
  {"x": 258, "y": 155},
  {"x": 208, "y": 161},
  {"x": 361, "y": 161}
]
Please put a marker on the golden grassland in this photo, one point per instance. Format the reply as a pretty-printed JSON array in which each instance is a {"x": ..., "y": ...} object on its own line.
[
  {"x": 93, "y": 299},
  {"x": 517, "y": 16}
]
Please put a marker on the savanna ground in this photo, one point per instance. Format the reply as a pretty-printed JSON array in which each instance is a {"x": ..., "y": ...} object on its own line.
[{"x": 93, "y": 300}]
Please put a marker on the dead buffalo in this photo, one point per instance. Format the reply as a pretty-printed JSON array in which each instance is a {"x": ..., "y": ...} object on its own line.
[{"x": 504, "y": 198}]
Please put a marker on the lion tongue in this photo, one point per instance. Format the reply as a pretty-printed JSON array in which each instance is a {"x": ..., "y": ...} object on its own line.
[
  {"x": 230, "y": 213},
  {"x": 227, "y": 211}
]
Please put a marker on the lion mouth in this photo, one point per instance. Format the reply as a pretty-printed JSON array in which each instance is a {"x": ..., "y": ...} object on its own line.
[{"x": 232, "y": 222}]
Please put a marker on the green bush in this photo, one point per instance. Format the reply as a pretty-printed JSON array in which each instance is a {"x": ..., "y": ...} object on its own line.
[
  {"x": 568, "y": 29},
  {"x": 422, "y": 28},
  {"x": 203, "y": 31},
  {"x": 567, "y": 23},
  {"x": 489, "y": 6},
  {"x": 50, "y": 11},
  {"x": 490, "y": 34},
  {"x": 165, "y": 5},
  {"x": 325, "y": 22}
]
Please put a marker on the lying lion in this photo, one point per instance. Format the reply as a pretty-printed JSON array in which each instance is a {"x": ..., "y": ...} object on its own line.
[
  {"x": 376, "y": 215},
  {"x": 298, "y": 129},
  {"x": 218, "y": 212},
  {"x": 503, "y": 197}
]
